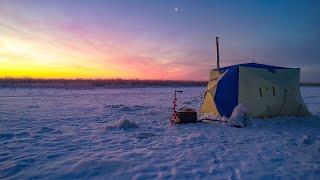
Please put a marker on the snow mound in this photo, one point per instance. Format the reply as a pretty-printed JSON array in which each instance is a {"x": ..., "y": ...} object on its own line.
[
  {"x": 239, "y": 116},
  {"x": 122, "y": 124},
  {"x": 205, "y": 116}
]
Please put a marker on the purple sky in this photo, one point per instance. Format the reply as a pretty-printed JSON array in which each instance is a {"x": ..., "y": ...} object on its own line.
[{"x": 164, "y": 39}]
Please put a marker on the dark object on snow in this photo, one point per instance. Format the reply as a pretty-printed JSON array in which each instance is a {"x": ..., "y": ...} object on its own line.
[{"x": 184, "y": 115}]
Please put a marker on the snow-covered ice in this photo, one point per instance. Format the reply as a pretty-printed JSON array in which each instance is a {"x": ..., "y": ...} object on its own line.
[
  {"x": 125, "y": 133},
  {"x": 122, "y": 124}
]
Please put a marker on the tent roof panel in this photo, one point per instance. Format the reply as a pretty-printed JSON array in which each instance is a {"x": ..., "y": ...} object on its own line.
[{"x": 253, "y": 65}]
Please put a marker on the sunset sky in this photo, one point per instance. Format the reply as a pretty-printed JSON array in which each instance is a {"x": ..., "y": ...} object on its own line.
[{"x": 149, "y": 39}]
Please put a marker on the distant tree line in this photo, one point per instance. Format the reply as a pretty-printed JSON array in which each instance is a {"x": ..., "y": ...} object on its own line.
[{"x": 91, "y": 83}]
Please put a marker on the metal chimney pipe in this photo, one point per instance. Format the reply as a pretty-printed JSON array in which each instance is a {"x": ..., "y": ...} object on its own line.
[{"x": 218, "y": 58}]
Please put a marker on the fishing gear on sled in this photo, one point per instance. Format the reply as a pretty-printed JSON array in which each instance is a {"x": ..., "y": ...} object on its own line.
[{"x": 183, "y": 115}]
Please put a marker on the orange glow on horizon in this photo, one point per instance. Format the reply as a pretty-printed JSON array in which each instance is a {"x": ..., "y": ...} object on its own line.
[
  {"x": 20, "y": 58},
  {"x": 31, "y": 50},
  {"x": 32, "y": 58}
]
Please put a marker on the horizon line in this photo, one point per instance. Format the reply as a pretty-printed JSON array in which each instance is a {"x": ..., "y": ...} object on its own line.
[
  {"x": 94, "y": 79},
  {"x": 117, "y": 79}
]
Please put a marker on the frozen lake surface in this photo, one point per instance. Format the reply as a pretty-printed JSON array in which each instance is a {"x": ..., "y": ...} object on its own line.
[{"x": 57, "y": 133}]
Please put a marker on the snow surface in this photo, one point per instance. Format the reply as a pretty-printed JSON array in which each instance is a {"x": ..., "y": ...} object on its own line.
[{"x": 125, "y": 133}]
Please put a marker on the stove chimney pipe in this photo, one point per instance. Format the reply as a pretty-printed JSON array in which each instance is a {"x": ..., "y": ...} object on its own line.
[{"x": 218, "y": 58}]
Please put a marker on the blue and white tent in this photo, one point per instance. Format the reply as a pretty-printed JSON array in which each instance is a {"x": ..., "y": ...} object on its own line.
[{"x": 266, "y": 91}]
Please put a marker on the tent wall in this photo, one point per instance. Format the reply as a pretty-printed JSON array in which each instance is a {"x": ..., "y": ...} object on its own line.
[
  {"x": 226, "y": 97},
  {"x": 208, "y": 105},
  {"x": 271, "y": 93}
]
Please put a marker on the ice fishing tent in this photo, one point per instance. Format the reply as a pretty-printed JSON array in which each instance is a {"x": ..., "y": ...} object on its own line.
[{"x": 266, "y": 91}]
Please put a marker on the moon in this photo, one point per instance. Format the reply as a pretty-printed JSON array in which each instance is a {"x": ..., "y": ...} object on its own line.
[{"x": 176, "y": 9}]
